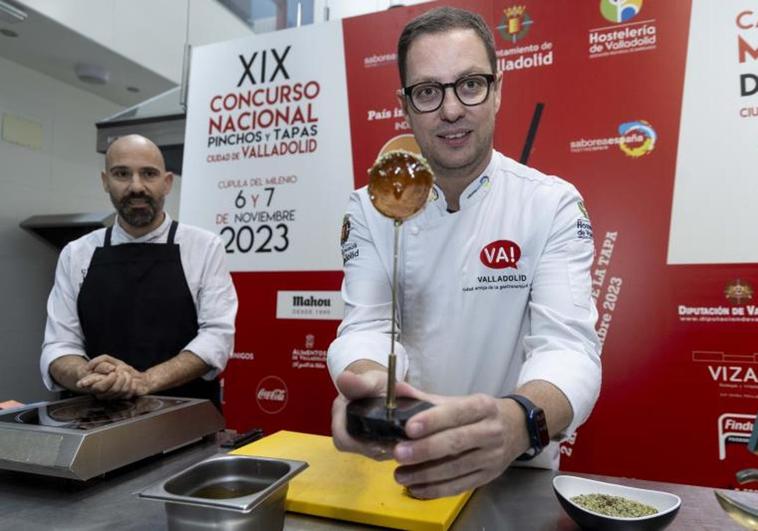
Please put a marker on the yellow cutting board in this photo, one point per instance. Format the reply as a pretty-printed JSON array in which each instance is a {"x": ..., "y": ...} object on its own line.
[{"x": 347, "y": 486}]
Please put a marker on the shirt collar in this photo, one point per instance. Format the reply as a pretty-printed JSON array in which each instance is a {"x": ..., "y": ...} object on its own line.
[
  {"x": 474, "y": 192},
  {"x": 121, "y": 236}
]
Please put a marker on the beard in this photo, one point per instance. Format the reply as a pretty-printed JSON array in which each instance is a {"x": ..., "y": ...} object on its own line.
[{"x": 138, "y": 216}]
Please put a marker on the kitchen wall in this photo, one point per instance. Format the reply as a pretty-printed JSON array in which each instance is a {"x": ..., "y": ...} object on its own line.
[{"x": 60, "y": 177}]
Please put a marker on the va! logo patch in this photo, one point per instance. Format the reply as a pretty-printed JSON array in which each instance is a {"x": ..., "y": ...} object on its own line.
[{"x": 501, "y": 254}]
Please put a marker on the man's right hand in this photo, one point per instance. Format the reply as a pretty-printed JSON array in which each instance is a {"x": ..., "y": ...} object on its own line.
[
  {"x": 361, "y": 379},
  {"x": 109, "y": 378}
]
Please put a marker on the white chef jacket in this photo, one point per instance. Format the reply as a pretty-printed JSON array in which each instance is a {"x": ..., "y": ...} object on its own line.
[
  {"x": 466, "y": 326},
  {"x": 202, "y": 256}
]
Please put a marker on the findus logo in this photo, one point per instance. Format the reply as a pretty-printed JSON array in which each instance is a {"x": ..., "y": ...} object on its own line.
[
  {"x": 271, "y": 395},
  {"x": 310, "y": 302},
  {"x": 734, "y": 428},
  {"x": 732, "y": 425}
]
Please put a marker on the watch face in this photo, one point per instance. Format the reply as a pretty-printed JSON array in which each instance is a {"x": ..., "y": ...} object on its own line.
[
  {"x": 536, "y": 426},
  {"x": 539, "y": 421}
]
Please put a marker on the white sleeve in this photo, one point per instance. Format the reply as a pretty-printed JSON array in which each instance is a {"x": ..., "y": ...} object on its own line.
[
  {"x": 216, "y": 311},
  {"x": 562, "y": 346},
  {"x": 63, "y": 332},
  {"x": 364, "y": 333}
]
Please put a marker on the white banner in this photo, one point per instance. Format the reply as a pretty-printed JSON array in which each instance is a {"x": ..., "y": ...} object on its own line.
[
  {"x": 267, "y": 157},
  {"x": 717, "y": 163}
]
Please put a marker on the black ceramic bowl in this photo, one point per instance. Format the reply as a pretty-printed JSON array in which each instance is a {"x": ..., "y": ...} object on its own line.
[{"x": 566, "y": 487}]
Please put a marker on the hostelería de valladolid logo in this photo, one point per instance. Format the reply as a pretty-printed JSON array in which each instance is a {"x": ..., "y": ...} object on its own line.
[
  {"x": 626, "y": 34},
  {"x": 620, "y": 10}
]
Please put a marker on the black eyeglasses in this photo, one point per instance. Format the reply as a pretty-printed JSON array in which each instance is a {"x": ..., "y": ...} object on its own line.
[{"x": 470, "y": 90}]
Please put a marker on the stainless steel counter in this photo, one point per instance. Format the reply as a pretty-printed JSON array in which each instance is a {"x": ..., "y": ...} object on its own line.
[{"x": 522, "y": 500}]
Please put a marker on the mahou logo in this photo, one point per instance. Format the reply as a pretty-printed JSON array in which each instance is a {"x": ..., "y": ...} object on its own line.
[
  {"x": 501, "y": 254},
  {"x": 271, "y": 395}
]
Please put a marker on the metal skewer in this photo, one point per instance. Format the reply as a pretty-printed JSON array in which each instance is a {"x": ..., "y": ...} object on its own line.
[
  {"x": 390, "y": 402},
  {"x": 399, "y": 186}
]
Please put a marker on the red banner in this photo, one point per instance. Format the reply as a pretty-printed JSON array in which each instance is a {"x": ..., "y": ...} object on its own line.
[{"x": 593, "y": 92}]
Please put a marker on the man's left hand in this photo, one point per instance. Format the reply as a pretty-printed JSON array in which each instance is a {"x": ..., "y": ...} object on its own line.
[
  {"x": 462, "y": 444},
  {"x": 110, "y": 378}
]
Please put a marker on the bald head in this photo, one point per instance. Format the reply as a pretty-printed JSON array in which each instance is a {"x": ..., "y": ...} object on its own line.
[
  {"x": 134, "y": 143},
  {"x": 137, "y": 182}
]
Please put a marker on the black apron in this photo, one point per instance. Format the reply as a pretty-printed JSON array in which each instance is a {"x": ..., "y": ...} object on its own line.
[{"x": 135, "y": 305}]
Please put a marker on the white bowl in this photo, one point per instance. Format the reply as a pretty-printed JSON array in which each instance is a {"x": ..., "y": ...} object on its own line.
[{"x": 566, "y": 487}]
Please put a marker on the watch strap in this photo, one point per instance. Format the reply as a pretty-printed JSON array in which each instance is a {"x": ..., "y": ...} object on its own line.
[{"x": 536, "y": 427}]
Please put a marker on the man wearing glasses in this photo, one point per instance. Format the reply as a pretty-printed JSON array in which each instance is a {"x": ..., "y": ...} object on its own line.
[{"x": 496, "y": 314}]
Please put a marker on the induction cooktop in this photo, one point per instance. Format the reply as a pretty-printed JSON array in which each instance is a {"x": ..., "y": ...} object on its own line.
[{"x": 83, "y": 437}]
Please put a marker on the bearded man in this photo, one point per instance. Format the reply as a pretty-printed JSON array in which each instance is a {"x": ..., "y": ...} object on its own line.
[{"x": 146, "y": 306}]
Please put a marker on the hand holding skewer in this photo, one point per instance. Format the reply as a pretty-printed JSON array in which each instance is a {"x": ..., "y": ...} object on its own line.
[{"x": 399, "y": 186}]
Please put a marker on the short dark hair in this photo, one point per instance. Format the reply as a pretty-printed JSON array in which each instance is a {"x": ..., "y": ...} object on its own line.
[{"x": 440, "y": 20}]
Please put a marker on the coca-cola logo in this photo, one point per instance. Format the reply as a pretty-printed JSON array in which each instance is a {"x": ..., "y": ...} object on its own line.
[
  {"x": 277, "y": 395},
  {"x": 501, "y": 254},
  {"x": 272, "y": 395}
]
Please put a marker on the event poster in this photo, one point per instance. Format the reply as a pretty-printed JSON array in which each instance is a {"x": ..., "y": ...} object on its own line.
[
  {"x": 647, "y": 106},
  {"x": 268, "y": 168},
  {"x": 267, "y": 155}
]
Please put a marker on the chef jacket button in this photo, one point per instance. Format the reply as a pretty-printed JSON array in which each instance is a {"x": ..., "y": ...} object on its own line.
[{"x": 415, "y": 230}]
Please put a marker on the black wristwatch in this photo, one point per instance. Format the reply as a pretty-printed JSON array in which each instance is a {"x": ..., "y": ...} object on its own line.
[{"x": 536, "y": 427}]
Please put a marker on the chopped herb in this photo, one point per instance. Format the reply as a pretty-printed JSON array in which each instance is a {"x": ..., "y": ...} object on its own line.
[{"x": 616, "y": 506}]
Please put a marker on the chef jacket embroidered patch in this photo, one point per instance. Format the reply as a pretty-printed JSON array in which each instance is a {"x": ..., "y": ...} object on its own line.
[
  {"x": 583, "y": 225},
  {"x": 349, "y": 249},
  {"x": 501, "y": 268},
  {"x": 583, "y": 229},
  {"x": 583, "y": 209}
]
